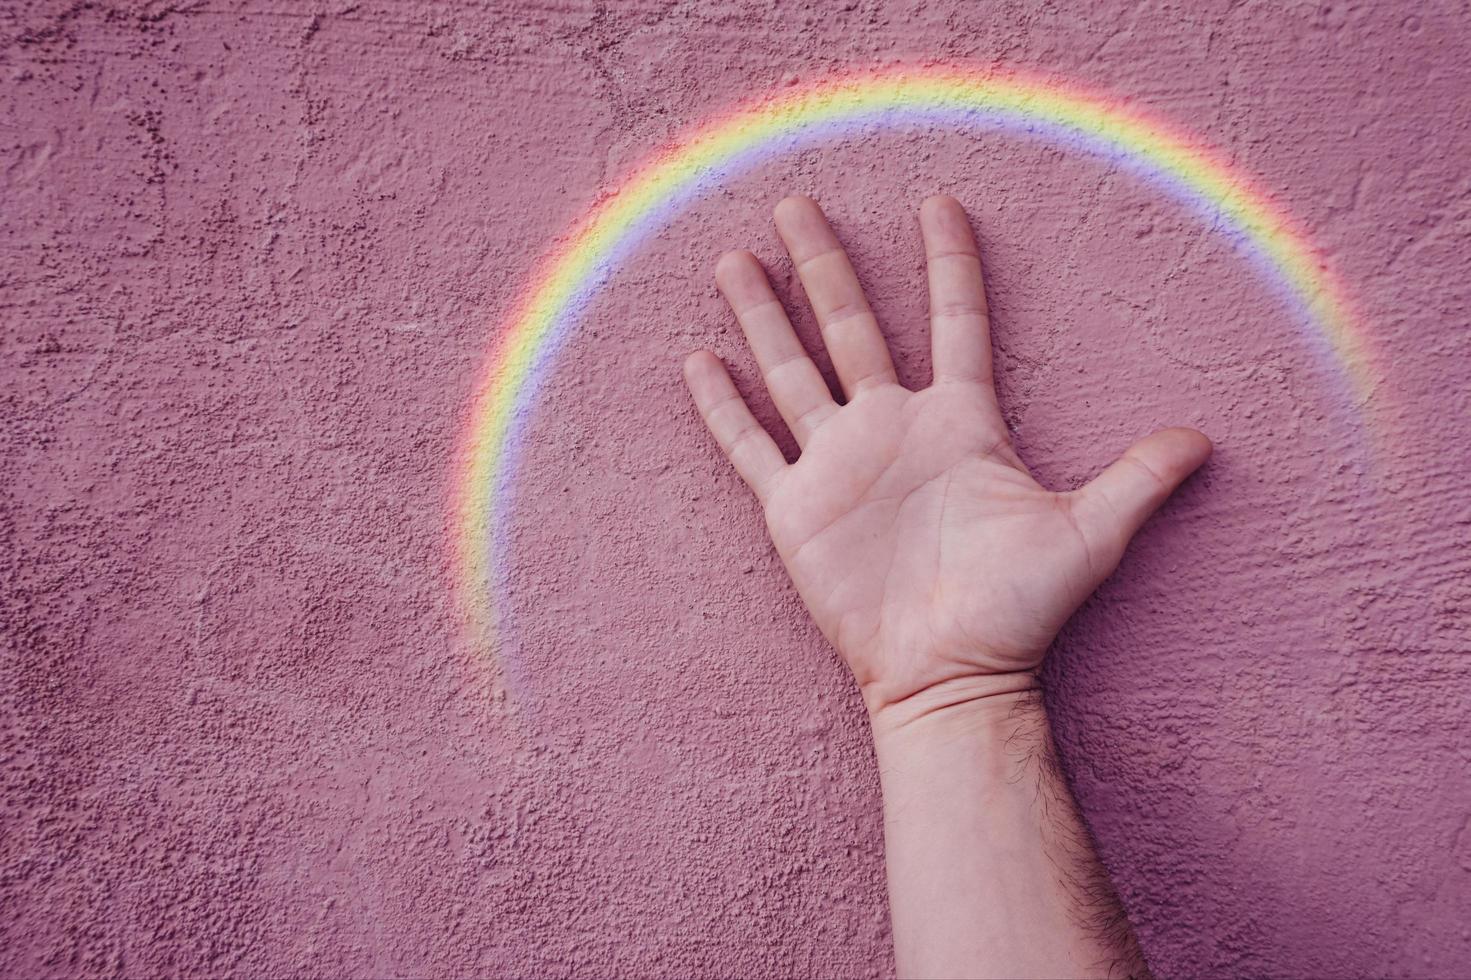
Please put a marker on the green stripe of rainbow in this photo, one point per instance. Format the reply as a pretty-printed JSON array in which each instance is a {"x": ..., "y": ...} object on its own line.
[{"x": 567, "y": 274}]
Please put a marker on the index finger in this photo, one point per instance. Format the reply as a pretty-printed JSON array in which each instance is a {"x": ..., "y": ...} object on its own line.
[{"x": 960, "y": 327}]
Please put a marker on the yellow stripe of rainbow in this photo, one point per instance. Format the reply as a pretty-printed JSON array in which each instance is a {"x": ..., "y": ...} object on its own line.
[{"x": 572, "y": 271}]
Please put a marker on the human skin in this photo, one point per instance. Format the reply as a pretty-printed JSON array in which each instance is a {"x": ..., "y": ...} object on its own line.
[{"x": 941, "y": 571}]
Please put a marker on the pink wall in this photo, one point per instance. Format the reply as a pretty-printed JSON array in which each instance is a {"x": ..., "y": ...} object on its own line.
[{"x": 252, "y": 262}]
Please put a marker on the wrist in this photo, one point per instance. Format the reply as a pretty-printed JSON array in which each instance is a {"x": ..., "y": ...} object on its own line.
[{"x": 990, "y": 707}]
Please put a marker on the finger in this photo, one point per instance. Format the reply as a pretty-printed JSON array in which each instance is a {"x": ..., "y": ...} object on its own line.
[
  {"x": 1120, "y": 499},
  {"x": 796, "y": 386},
  {"x": 960, "y": 329},
  {"x": 859, "y": 355},
  {"x": 749, "y": 447}
]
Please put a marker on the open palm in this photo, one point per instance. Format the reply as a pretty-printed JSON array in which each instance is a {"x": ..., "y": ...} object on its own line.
[{"x": 924, "y": 549}]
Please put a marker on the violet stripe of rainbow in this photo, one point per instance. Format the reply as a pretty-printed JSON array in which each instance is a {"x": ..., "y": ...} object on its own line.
[{"x": 570, "y": 275}]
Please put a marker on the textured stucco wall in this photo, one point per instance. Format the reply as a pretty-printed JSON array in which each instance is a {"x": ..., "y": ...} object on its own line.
[{"x": 251, "y": 260}]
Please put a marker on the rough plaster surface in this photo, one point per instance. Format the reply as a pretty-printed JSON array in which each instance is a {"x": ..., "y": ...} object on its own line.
[{"x": 250, "y": 262}]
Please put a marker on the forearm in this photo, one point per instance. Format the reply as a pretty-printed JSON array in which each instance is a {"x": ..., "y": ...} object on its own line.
[{"x": 991, "y": 869}]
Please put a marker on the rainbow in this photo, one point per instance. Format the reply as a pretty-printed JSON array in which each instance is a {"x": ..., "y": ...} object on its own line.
[{"x": 571, "y": 274}]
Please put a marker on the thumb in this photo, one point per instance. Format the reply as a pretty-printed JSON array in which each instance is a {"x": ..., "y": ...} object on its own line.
[{"x": 1120, "y": 499}]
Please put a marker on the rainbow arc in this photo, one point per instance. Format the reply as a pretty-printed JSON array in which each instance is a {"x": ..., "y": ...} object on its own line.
[{"x": 567, "y": 278}]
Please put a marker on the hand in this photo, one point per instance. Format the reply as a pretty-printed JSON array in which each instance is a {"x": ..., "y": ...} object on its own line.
[{"x": 927, "y": 554}]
